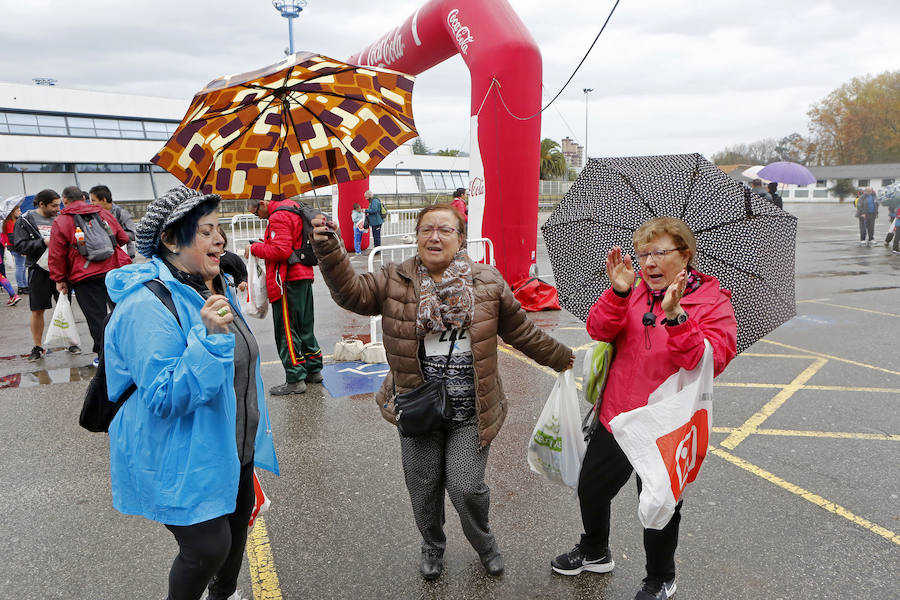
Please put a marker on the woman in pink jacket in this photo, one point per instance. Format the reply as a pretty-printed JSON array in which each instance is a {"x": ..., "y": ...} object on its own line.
[{"x": 658, "y": 323}]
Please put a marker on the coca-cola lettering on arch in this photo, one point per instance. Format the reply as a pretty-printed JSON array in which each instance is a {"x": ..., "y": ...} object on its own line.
[
  {"x": 476, "y": 187},
  {"x": 462, "y": 32},
  {"x": 386, "y": 51}
]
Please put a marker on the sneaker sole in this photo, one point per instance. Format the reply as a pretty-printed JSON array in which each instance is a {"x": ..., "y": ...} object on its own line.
[{"x": 597, "y": 568}]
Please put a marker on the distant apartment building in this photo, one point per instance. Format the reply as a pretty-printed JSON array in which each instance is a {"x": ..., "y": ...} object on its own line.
[{"x": 573, "y": 153}]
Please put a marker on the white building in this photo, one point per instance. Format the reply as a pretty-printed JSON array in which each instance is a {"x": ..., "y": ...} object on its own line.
[{"x": 51, "y": 137}]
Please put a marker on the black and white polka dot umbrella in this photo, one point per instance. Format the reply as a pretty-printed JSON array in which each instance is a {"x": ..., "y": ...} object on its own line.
[{"x": 742, "y": 239}]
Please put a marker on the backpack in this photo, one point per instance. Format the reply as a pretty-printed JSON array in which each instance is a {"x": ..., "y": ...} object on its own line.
[
  {"x": 383, "y": 209},
  {"x": 99, "y": 241},
  {"x": 304, "y": 254},
  {"x": 97, "y": 411}
]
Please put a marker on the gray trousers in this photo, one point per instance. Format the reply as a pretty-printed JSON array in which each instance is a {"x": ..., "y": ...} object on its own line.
[{"x": 450, "y": 459}]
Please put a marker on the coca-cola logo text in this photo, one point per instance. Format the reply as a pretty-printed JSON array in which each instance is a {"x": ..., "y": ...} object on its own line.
[
  {"x": 476, "y": 187},
  {"x": 463, "y": 33},
  {"x": 385, "y": 51}
]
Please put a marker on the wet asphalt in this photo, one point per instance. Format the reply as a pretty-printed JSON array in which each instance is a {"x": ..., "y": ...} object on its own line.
[{"x": 807, "y": 505}]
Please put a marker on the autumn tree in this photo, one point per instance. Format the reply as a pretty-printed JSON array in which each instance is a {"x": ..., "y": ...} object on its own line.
[
  {"x": 760, "y": 152},
  {"x": 859, "y": 122},
  {"x": 447, "y": 152}
]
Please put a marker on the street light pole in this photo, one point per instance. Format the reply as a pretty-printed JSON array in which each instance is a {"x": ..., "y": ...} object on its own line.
[
  {"x": 586, "y": 92},
  {"x": 290, "y": 10},
  {"x": 396, "y": 193}
]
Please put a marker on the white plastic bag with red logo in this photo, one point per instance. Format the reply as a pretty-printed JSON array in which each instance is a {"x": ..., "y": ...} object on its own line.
[
  {"x": 666, "y": 441},
  {"x": 261, "y": 502}
]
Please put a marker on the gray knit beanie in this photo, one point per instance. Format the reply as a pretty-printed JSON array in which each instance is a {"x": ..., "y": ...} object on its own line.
[{"x": 164, "y": 212}]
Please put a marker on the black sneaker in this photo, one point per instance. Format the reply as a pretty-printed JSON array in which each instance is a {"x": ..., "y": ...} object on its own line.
[
  {"x": 575, "y": 562},
  {"x": 432, "y": 564},
  {"x": 654, "y": 589},
  {"x": 285, "y": 389},
  {"x": 37, "y": 353},
  {"x": 73, "y": 349}
]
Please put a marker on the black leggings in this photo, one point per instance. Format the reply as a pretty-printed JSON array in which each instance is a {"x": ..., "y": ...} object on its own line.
[
  {"x": 212, "y": 550},
  {"x": 603, "y": 473}
]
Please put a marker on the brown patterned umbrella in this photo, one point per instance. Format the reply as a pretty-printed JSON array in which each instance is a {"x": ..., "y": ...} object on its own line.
[{"x": 302, "y": 123}]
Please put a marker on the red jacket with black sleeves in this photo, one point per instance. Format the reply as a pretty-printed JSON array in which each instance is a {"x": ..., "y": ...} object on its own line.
[
  {"x": 66, "y": 263},
  {"x": 283, "y": 234}
]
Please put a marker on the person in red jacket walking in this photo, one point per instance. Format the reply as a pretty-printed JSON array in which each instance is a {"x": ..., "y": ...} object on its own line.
[
  {"x": 658, "y": 323},
  {"x": 69, "y": 266},
  {"x": 290, "y": 292}
]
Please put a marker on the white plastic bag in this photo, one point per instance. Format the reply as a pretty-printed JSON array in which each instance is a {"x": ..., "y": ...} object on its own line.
[
  {"x": 261, "y": 501},
  {"x": 62, "y": 330},
  {"x": 257, "y": 304},
  {"x": 373, "y": 353},
  {"x": 44, "y": 261},
  {"x": 557, "y": 446},
  {"x": 348, "y": 350},
  {"x": 666, "y": 441}
]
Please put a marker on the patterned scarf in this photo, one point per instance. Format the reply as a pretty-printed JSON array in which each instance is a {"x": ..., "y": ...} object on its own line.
[
  {"x": 693, "y": 283},
  {"x": 449, "y": 304}
]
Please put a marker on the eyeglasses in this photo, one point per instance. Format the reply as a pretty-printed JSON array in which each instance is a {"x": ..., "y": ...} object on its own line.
[
  {"x": 656, "y": 254},
  {"x": 444, "y": 231}
]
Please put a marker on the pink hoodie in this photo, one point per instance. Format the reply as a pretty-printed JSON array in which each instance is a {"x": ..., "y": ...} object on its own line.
[{"x": 636, "y": 371}]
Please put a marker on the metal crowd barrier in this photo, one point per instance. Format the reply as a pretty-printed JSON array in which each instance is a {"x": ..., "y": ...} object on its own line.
[
  {"x": 382, "y": 255},
  {"x": 245, "y": 229}
]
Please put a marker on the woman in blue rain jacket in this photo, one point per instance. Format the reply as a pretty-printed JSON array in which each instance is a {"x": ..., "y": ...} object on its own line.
[{"x": 183, "y": 446}]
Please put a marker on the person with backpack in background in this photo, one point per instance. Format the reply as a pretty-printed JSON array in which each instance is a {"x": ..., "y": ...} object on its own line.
[
  {"x": 866, "y": 213},
  {"x": 31, "y": 238},
  {"x": 102, "y": 197},
  {"x": 375, "y": 211},
  {"x": 289, "y": 279},
  {"x": 84, "y": 247}
]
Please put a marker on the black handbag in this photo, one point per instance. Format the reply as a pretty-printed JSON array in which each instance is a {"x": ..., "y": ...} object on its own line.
[{"x": 424, "y": 408}]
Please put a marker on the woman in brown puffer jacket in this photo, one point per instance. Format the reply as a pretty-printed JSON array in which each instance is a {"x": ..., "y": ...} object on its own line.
[{"x": 436, "y": 305}]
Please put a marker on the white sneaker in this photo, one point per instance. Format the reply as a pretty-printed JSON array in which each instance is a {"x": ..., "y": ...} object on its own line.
[{"x": 862, "y": 243}]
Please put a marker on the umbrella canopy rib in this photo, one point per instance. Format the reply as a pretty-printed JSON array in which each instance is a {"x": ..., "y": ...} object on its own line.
[
  {"x": 227, "y": 144},
  {"x": 695, "y": 172},
  {"x": 638, "y": 194},
  {"x": 286, "y": 109},
  {"x": 327, "y": 127}
]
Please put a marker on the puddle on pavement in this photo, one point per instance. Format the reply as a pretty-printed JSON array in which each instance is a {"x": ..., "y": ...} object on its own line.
[
  {"x": 871, "y": 289},
  {"x": 47, "y": 377},
  {"x": 831, "y": 274},
  {"x": 17, "y": 356}
]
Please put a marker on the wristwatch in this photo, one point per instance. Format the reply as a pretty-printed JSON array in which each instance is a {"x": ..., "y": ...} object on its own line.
[{"x": 681, "y": 318}]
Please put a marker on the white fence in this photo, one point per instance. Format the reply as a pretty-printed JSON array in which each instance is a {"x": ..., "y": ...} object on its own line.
[
  {"x": 400, "y": 222},
  {"x": 382, "y": 255},
  {"x": 245, "y": 229}
]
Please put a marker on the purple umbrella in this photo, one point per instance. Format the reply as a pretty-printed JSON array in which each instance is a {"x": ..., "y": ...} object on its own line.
[{"x": 787, "y": 172}]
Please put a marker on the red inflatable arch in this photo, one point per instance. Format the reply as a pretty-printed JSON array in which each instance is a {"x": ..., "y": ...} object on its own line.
[{"x": 505, "y": 66}]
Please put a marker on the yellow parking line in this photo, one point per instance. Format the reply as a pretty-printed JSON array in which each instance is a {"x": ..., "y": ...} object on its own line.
[
  {"x": 807, "y": 495},
  {"x": 739, "y": 435},
  {"x": 262, "y": 563},
  {"x": 818, "y": 388},
  {"x": 764, "y": 355},
  {"x": 845, "y": 360},
  {"x": 844, "y": 435},
  {"x": 867, "y": 310}
]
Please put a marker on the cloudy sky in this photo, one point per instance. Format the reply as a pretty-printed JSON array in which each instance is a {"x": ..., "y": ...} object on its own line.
[{"x": 669, "y": 76}]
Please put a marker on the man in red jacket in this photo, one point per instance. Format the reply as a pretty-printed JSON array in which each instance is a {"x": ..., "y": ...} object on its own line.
[
  {"x": 69, "y": 266},
  {"x": 290, "y": 292}
]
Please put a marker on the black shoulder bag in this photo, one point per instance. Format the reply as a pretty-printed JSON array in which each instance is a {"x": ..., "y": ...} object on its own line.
[
  {"x": 424, "y": 408},
  {"x": 98, "y": 410}
]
